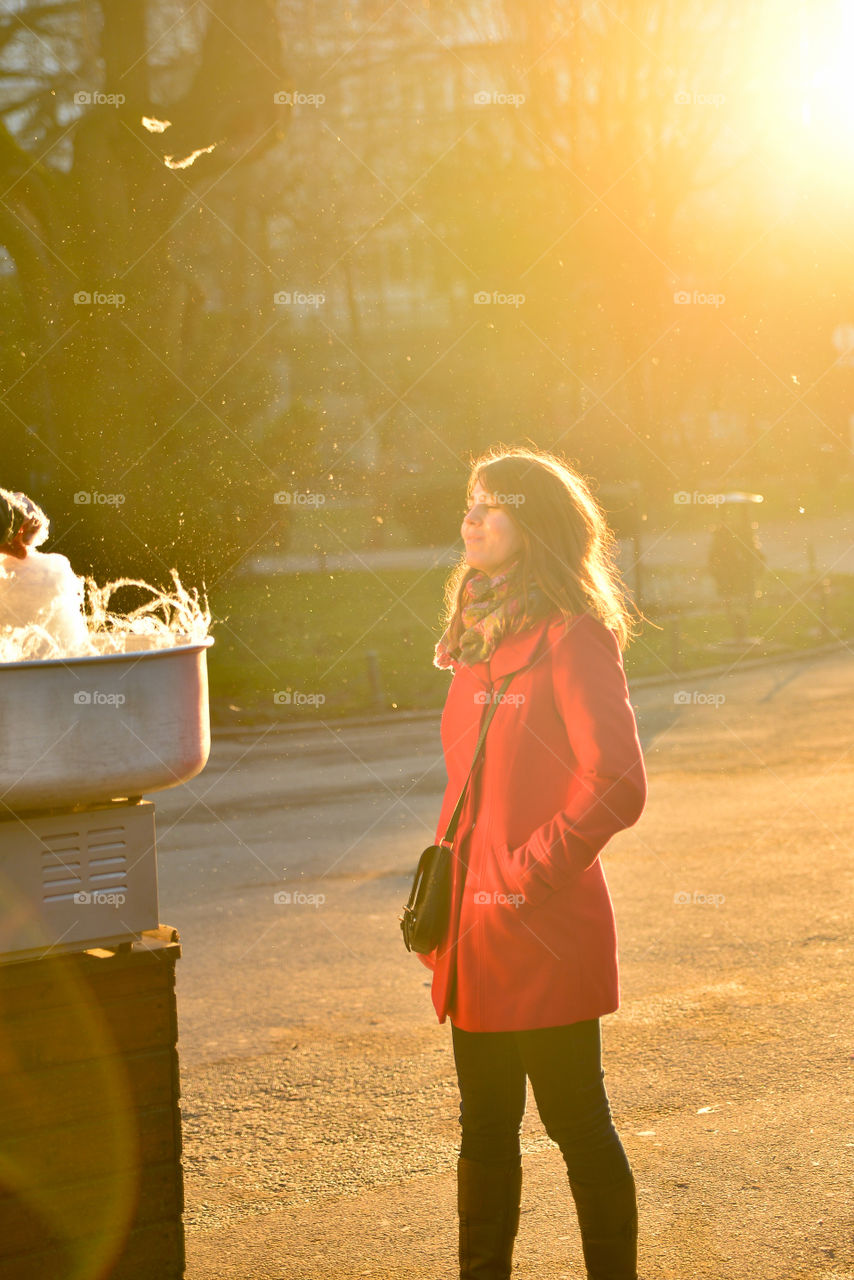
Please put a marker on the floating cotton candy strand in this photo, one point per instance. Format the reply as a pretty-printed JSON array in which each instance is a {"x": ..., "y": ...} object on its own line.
[{"x": 167, "y": 619}]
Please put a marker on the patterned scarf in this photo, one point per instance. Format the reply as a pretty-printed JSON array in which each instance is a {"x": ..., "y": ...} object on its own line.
[{"x": 492, "y": 607}]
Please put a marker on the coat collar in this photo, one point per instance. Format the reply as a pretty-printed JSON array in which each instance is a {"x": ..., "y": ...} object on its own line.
[{"x": 515, "y": 651}]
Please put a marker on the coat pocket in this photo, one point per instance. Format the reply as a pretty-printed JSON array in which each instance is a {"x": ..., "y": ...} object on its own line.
[
  {"x": 498, "y": 886},
  {"x": 523, "y": 900}
]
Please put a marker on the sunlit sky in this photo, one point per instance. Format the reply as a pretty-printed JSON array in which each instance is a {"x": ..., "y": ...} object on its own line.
[{"x": 809, "y": 68}]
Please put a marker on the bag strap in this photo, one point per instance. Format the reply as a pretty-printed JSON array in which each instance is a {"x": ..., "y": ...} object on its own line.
[{"x": 448, "y": 837}]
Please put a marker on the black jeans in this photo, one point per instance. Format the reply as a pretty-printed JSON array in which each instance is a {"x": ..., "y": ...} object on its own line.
[{"x": 564, "y": 1065}]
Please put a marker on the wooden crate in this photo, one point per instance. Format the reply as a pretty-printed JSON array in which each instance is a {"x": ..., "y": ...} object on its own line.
[{"x": 90, "y": 1128}]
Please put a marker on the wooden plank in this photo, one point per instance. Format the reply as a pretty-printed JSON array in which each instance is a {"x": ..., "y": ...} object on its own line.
[
  {"x": 55, "y": 982},
  {"x": 55, "y": 1157},
  {"x": 90, "y": 1030},
  {"x": 69, "y": 1092},
  {"x": 154, "y": 1252},
  {"x": 64, "y": 1218}
]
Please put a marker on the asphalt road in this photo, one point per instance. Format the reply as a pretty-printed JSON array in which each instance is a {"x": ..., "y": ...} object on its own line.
[{"x": 319, "y": 1101}]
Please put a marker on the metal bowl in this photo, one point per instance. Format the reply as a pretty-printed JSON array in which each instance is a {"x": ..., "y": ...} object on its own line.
[{"x": 81, "y": 731}]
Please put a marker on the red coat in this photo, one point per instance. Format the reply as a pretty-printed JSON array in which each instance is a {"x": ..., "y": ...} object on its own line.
[{"x": 561, "y": 771}]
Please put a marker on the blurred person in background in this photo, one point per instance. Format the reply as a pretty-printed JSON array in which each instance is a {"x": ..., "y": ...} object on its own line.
[{"x": 736, "y": 562}]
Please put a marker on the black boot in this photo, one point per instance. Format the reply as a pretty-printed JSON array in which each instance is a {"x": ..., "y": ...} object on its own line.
[
  {"x": 488, "y": 1201},
  {"x": 608, "y": 1221}
]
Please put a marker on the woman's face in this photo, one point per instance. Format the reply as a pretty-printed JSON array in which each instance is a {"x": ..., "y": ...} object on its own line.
[{"x": 489, "y": 533}]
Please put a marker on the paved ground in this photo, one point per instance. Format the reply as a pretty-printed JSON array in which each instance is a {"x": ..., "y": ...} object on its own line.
[{"x": 310, "y": 1052}]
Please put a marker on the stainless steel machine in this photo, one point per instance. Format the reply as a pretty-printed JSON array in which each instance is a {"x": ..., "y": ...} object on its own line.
[{"x": 82, "y": 740}]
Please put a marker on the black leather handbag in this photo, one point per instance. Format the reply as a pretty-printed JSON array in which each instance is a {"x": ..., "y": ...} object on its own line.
[{"x": 428, "y": 908}]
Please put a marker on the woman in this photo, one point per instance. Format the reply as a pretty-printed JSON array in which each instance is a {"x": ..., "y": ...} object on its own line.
[{"x": 529, "y": 961}]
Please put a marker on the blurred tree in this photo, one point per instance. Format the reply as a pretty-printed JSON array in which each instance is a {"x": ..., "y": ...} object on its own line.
[
  {"x": 128, "y": 132},
  {"x": 578, "y": 196},
  {"x": 561, "y": 154},
  {"x": 596, "y": 161}
]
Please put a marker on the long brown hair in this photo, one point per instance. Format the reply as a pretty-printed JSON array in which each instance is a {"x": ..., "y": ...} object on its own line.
[{"x": 568, "y": 548}]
